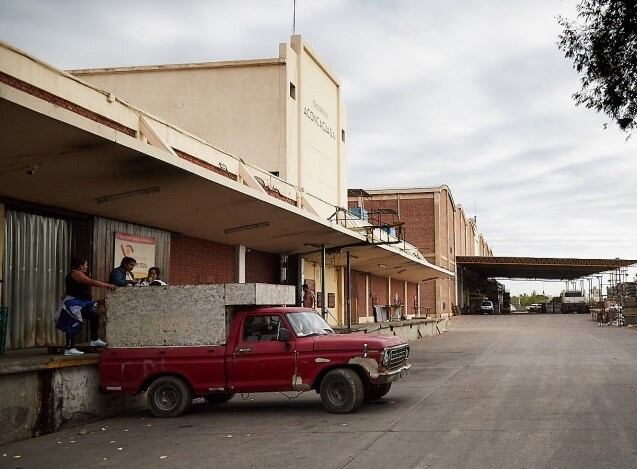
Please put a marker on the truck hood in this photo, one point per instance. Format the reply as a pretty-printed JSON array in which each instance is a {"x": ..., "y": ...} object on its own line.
[{"x": 337, "y": 342}]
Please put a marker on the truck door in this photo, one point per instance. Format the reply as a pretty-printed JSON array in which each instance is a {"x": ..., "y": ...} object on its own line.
[{"x": 261, "y": 362}]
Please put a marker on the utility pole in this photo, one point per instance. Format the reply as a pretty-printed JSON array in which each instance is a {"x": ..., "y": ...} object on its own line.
[{"x": 293, "y": 17}]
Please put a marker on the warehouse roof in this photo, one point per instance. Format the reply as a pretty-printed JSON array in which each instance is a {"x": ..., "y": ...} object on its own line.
[{"x": 558, "y": 268}]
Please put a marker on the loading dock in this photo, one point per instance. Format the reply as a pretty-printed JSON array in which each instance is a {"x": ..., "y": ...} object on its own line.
[{"x": 476, "y": 274}]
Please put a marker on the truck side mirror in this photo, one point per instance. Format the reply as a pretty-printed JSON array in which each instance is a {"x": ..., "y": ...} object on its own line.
[{"x": 284, "y": 335}]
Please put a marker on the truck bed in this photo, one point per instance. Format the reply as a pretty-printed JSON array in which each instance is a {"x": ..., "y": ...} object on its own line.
[{"x": 129, "y": 370}]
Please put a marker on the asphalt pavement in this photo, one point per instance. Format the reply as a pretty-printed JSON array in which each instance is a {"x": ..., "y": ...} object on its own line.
[{"x": 518, "y": 391}]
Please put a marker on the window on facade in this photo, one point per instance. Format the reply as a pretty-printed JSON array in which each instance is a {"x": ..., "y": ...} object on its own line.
[
  {"x": 261, "y": 328},
  {"x": 292, "y": 91},
  {"x": 331, "y": 300}
]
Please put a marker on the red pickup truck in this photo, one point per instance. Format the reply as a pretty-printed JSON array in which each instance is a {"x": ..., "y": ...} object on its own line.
[{"x": 267, "y": 349}]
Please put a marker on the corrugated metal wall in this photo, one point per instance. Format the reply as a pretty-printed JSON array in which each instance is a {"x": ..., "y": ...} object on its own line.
[
  {"x": 36, "y": 260},
  {"x": 104, "y": 231}
]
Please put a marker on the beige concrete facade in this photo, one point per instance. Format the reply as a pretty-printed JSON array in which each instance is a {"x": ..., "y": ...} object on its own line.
[
  {"x": 84, "y": 139},
  {"x": 281, "y": 114}
]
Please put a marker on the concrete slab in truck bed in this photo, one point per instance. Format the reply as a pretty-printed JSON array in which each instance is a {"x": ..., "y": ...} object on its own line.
[
  {"x": 239, "y": 294},
  {"x": 182, "y": 315}
]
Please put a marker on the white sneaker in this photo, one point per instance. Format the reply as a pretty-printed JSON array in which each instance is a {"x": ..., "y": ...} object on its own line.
[
  {"x": 97, "y": 343},
  {"x": 73, "y": 351}
]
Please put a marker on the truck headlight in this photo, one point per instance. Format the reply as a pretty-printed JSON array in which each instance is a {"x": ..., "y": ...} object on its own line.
[{"x": 385, "y": 357}]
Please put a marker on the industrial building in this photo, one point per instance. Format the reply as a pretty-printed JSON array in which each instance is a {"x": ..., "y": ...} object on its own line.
[
  {"x": 226, "y": 172},
  {"x": 429, "y": 219},
  {"x": 86, "y": 166}
]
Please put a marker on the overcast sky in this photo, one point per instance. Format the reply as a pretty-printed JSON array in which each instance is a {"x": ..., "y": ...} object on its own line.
[{"x": 470, "y": 94}]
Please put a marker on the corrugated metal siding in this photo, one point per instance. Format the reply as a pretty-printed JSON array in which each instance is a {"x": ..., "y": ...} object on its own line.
[
  {"x": 36, "y": 260},
  {"x": 104, "y": 231}
]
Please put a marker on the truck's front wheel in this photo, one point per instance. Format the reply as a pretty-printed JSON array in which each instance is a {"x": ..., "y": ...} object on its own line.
[
  {"x": 341, "y": 391},
  {"x": 169, "y": 396}
]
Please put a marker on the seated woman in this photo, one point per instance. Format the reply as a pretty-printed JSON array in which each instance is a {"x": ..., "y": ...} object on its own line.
[
  {"x": 78, "y": 306},
  {"x": 152, "y": 279}
]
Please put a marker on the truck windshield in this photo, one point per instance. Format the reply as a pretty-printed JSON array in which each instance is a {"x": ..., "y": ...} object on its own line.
[{"x": 306, "y": 323}]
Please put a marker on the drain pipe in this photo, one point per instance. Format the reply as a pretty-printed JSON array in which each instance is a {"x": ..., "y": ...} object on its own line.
[
  {"x": 349, "y": 294},
  {"x": 323, "y": 295}
]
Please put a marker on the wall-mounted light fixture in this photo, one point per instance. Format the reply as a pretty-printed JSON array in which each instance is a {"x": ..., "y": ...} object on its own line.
[
  {"x": 125, "y": 195},
  {"x": 252, "y": 226}
]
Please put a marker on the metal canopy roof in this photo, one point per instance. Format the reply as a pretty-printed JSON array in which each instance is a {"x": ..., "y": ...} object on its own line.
[{"x": 550, "y": 268}]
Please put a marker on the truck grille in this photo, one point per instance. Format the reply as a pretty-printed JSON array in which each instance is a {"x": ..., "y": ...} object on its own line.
[{"x": 398, "y": 356}]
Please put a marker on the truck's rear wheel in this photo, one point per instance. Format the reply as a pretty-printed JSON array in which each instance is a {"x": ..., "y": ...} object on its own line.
[
  {"x": 218, "y": 398},
  {"x": 169, "y": 396},
  {"x": 376, "y": 391},
  {"x": 341, "y": 391}
]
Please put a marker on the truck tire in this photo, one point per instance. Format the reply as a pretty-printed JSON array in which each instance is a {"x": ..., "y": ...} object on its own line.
[
  {"x": 341, "y": 391},
  {"x": 169, "y": 396},
  {"x": 376, "y": 391},
  {"x": 218, "y": 398}
]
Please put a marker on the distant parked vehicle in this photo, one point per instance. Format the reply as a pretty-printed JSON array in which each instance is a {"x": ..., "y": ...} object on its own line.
[
  {"x": 573, "y": 302},
  {"x": 534, "y": 308},
  {"x": 486, "y": 307}
]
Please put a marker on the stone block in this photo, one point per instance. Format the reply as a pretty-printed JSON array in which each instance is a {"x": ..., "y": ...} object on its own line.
[
  {"x": 171, "y": 315},
  {"x": 183, "y": 315},
  {"x": 263, "y": 294}
]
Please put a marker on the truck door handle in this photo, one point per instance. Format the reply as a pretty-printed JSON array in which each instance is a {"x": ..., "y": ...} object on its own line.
[{"x": 244, "y": 350}]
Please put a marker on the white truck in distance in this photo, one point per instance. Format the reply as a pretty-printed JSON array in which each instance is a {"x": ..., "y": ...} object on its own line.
[{"x": 573, "y": 302}]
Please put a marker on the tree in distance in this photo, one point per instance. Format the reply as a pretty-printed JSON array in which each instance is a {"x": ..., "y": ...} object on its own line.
[{"x": 602, "y": 43}]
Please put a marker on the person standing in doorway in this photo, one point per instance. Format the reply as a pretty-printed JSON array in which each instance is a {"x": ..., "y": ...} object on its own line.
[
  {"x": 78, "y": 306},
  {"x": 122, "y": 276},
  {"x": 308, "y": 297}
]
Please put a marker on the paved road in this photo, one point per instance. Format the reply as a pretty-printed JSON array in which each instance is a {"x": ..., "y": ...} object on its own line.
[{"x": 501, "y": 392}]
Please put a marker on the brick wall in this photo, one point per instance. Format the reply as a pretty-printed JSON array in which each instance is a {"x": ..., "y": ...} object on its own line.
[
  {"x": 358, "y": 295},
  {"x": 263, "y": 267},
  {"x": 397, "y": 288},
  {"x": 412, "y": 292},
  {"x": 418, "y": 216},
  {"x": 428, "y": 297},
  {"x": 378, "y": 290},
  {"x": 194, "y": 261}
]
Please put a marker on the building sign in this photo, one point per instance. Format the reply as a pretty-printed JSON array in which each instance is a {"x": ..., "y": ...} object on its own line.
[
  {"x": 319, "y": 115},
  {"x": 142, "y": 248}
]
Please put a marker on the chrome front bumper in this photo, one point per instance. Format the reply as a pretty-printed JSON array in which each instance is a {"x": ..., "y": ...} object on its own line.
[{"x": 392, "y": 375}]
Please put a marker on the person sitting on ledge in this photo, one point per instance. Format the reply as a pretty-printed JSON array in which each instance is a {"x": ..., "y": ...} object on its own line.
[
  {"x": 152, "y": 279},
  {"x": 122, "y": 276},
  {"x": 78, "y": 306}
]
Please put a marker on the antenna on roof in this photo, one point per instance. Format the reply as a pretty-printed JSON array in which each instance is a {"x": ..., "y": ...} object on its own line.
[{"x": 293, "y": 17}]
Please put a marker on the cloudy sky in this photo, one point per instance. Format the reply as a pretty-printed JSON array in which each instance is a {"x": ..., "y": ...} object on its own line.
[{"x": 470, "y": 94}]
